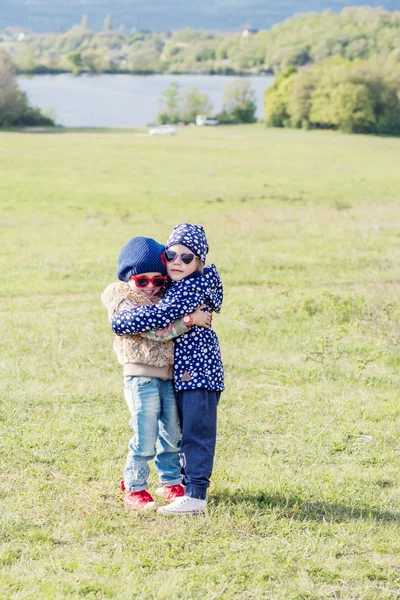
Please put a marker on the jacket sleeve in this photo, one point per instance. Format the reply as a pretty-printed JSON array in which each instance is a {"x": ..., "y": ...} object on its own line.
[
  {"x": 179, "y": 301},
  {"x": 166, "y": 334},
  {"x": 170, "y": 332}
]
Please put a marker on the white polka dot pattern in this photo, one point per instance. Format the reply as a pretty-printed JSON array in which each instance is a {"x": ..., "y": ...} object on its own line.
[
  {"x": 197, "y": 352},
  {"x": 191, "y": 236}
]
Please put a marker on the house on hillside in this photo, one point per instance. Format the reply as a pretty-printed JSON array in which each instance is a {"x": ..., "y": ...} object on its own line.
[
  {"x": 14, "y": 33},
  {"x": 248, "y": 31}
]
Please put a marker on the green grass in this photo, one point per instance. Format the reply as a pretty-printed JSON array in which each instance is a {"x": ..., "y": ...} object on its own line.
[{"x": 304, "y": 228}]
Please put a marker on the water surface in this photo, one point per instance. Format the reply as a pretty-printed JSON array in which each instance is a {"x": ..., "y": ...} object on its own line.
[{"x": 120, "y": 100}]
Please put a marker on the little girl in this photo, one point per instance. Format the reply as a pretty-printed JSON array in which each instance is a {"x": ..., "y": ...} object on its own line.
[
  {"x": 198, "y": 371},
  {"x": 147, "y": 366}
]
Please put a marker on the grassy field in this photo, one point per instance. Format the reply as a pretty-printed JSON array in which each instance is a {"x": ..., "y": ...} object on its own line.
[{"x": 305, "y": 230}]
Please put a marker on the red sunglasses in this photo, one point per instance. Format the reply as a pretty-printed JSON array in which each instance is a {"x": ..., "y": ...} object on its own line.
[{"x": 142, "y": 281}]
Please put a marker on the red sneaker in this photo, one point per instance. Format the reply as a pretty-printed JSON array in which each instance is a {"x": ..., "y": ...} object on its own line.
[
  {"x": 170, "y": 492},
  {"x": 139, "y": 500}
]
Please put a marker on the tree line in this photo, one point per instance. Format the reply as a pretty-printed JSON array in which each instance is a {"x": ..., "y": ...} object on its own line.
[{"x": 354, "y": 33}]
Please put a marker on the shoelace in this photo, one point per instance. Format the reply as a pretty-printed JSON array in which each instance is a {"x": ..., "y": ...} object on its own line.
[{"x": 182, "y": 500}]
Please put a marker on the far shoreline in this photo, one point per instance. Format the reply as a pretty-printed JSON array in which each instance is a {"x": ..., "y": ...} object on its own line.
[{"x": 223, "y": 73}]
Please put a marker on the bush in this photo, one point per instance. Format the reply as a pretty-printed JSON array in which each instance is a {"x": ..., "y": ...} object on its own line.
[{"x": 31, "y": 117}]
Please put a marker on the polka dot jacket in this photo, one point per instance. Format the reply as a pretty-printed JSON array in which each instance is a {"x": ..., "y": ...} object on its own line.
[{"x": 197, "y": 356}]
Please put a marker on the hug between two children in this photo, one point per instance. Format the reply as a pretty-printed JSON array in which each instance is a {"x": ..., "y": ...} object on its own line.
[{"x": 161, "y": 312}]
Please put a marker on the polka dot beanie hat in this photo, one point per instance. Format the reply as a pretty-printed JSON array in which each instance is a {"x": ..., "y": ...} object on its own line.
[
  {"x": 191, "y": 236},
  {"x": 140, "y": 255}
]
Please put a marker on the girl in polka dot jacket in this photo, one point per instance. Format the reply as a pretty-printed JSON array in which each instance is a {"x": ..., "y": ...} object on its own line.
[{"x": 198, "y": 371}]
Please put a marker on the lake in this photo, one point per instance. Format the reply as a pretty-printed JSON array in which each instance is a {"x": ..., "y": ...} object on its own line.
[{"x": 121, "y": 100}]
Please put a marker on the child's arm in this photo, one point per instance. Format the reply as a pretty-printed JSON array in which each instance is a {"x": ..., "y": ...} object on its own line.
[
  {"x": 173, "y": 330},
  {"x": 178, "y": 327},
  {"x": 179, "y": 301}
]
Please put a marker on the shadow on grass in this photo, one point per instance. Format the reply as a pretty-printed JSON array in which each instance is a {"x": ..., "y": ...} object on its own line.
[{"x": 295, "y": 507}]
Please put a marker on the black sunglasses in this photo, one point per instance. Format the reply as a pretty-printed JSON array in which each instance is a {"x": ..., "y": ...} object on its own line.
[{"x": 186, "y": 257}]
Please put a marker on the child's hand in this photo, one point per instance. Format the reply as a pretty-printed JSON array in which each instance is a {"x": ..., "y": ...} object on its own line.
[{"x": 200, "y": 318}]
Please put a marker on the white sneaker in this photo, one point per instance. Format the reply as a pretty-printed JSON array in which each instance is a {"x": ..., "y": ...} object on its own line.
[{"x": 185, "y": 505}]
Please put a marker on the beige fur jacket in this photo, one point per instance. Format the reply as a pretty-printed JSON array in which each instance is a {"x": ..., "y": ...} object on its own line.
[{"x": 135, "y": 348}]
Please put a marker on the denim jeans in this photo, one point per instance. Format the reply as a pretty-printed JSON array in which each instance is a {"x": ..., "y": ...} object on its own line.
[
  {"x": 155, "y": 421},
  {"x": 198, "y": 414}
]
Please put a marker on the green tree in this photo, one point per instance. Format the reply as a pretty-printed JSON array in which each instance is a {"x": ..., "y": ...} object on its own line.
[
  {"x": 298, "y": 56},
  {"x": 358, "y": 48},
  {"x": 276, "y": 98},
  {"x": 299, "y": 92},
  {"x": 169, "y": 103},
  {"x": 387, "y": 110},
  {"x": 356, "y": 97},
  {"x": 14, "y": 107},
  {"x": 11, "y": 100},
  {"x": 145, "y": 60},
  {"x": 182, "y": 104},
  {"x": 239, "y": 101},
  {"x": 192, "y": 103},
  {"x": 352, "y": 108},
  {"x": 221, "y": 52},
  {"x": 50, "y": 60},
  {"x": 84, "y": 22},
  {"x": 27, "y": 61},
  {"x": 172, "y": 51},
  {"x": 108, "y": 23},
  {"x": 93, "y": 61},
  {"x": 75, "y": 59},
  {"x": 204, "y": 52}
]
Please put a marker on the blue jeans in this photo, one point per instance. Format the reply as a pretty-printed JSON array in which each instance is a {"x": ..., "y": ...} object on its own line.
[
  {"x": 155, "y": 421},
  {"x": 198, "y": 414}
]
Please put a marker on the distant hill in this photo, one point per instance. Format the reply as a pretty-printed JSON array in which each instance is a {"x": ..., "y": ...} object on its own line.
[
  {"x": 355, "y": 33},
  {"x": 162, "y": 15}
]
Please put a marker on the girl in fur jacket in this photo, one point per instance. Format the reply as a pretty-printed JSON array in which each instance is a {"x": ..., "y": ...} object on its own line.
[{"x": 147, "y": 361}]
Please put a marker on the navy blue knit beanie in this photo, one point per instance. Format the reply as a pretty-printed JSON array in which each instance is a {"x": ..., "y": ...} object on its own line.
[
  {"x": 191, "y": 236},
  {"x": 140, "y": 255}
]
